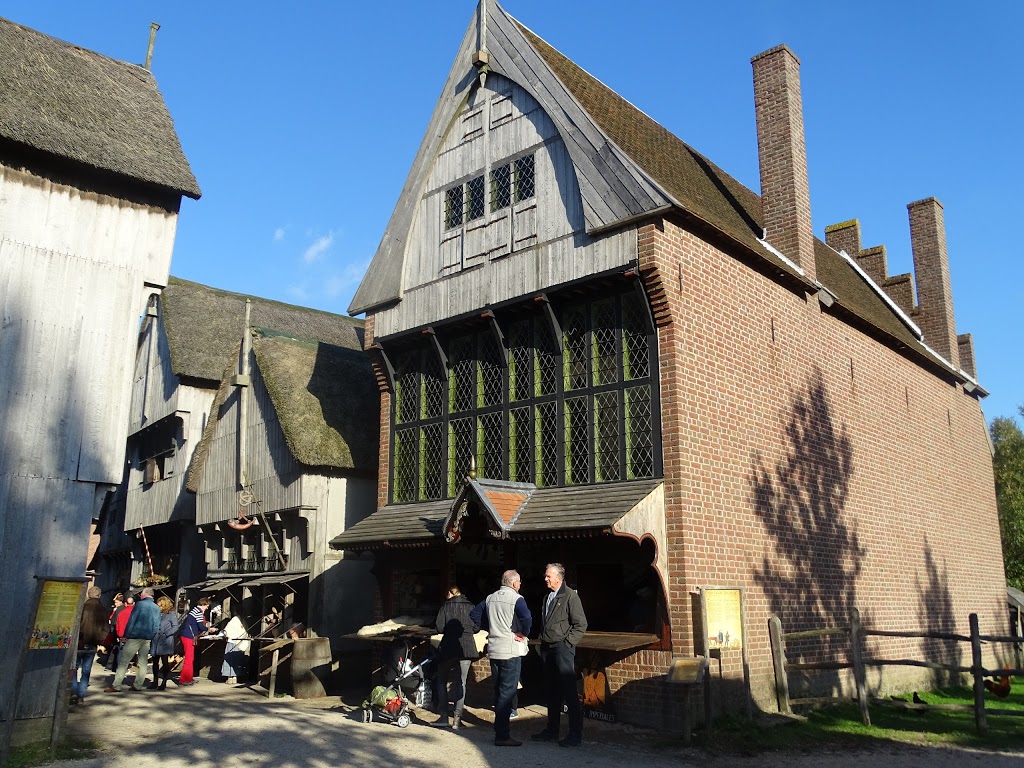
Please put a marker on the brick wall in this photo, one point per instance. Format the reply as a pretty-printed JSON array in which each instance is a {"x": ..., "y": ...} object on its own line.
[{"x": 811, "y": 465}]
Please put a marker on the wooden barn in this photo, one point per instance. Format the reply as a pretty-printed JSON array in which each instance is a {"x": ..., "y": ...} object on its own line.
[
  {"x": 189, "y": 335},
  {"x": 287, "y": 461},
  {"x": 91, "y": 177},
  {"x": 596, "y": 347}
]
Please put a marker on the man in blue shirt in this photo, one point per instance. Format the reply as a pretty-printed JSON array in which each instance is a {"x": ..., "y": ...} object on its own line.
[
  {"x": 508, "y": 621},
  {"x": 138, "y": 634}
]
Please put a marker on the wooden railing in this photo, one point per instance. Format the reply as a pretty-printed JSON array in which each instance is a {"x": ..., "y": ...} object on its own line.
[{"x": 856, "y": 633}]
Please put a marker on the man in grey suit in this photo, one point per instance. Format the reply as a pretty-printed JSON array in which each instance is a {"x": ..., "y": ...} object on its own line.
[{"x": 563, "y": 623}]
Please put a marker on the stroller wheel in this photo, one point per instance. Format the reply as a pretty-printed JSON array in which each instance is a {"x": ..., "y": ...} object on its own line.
[
  {"x": 403, "y": 721},
  {"x": 367, "y": 715}
]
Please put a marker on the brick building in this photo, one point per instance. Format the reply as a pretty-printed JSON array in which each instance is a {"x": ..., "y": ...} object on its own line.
[{"x": 594, "y": 346}]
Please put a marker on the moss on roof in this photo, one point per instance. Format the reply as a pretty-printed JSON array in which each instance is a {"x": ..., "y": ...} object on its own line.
[
  {"x": 326, "y": 400},
  {"x": 204, "y": 325}
]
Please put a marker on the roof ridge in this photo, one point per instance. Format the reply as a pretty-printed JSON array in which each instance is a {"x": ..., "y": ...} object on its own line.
[{"x": 174, "y": 280}]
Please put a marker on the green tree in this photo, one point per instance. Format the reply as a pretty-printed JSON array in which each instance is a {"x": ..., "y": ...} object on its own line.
[{"x": 1008, "y": 441}]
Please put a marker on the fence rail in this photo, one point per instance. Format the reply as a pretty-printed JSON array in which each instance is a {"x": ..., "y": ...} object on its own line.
[{"x": 856, "y": 632}]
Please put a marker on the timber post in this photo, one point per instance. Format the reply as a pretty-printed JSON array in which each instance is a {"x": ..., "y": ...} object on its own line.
[
  {"x": 859, "y": 676},
  {"x": 979, "y": 677},
  {"x": 779, "y": 662}
]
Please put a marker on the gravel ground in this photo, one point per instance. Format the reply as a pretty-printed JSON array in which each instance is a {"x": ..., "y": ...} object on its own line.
[{"x": 213, "y": 724}]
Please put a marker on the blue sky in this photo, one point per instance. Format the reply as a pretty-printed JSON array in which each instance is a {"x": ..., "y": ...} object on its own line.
[{"x": 301, "y": 122}]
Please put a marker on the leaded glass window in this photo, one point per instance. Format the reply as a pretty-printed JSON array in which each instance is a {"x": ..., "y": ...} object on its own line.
[
  {"x": 546, "y": 351},
  {"x": 407, "y": 382},
  {"x": 520, "y": 445},
  {"x": 524, "y": 178},
  {"x": 574, "y": 345},
  {"x": 501, "y": 187},
  {"x": 604, "y": 360},
  {"x": 475, "y": 201},
  {"x": 490, "y": 449},
  {"x": 453, "y": 207},
  {"x": 606, "y": 436},
  {"x": 546, "y": 436},
  {"x": 461, "y": 446},
  {"x": 572, "y": 410},
  {"x": 635, "y": 345},
  {"x": 432, "y": 461},
  {"x": 520, "y": 361},
  {"x": 462, "y": 378},
  {"x": 577, "y": 441},
  {"x": 432, "y": 390},
  {"x": 639, "y": 442},
  {"x": 405, "y": 464},
  {"x": 490, "y": 371}
]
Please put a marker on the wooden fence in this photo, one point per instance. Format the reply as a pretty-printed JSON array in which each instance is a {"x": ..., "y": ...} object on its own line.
[{"x": 857, "y": 633}]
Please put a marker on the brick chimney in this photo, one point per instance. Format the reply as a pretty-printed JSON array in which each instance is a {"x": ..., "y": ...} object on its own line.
[
  {"x": 931, "y": 274},
  {"x": 785, "y": 193},
  {"x": 844, "y": 236}
]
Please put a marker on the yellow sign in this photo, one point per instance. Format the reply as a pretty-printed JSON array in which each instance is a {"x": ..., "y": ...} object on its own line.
[
  {"x": 724, "y": 618},
  {"x": 56, "y": 615}
]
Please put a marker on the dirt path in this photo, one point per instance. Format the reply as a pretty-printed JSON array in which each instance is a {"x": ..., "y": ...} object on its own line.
[{"x": 212, "y": 724}]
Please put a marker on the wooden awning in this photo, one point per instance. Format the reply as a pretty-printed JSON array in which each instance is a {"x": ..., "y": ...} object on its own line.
[{"x": 575, "y": 511}]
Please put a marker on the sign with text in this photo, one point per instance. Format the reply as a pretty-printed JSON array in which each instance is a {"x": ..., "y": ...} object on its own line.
[
  {"x": 56, "y": 615},
  {"x": 723, "y": 612}
]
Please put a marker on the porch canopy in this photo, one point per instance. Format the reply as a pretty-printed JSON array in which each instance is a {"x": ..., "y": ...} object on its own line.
[{"x": 513, "y": 511}]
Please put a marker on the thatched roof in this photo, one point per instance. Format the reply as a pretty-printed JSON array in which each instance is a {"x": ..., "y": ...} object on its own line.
[
  {"x": 81, "y": 106},
  {"x": 204, "y": 326},
  {"x": 326, "y": 400}
]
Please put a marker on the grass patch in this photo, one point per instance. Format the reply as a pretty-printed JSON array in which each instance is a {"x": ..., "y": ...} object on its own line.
[
  {"x": 840, "y": 726},
  {"x": 39, "y": 754}
]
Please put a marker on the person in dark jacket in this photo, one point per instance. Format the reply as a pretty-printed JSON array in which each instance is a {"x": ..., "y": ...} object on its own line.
[
  {"x": 92, "y": 631},
  {"x": 454, "y": 654},
  {"x": 563, "y": 624},
  {"x": 138, "y": 634},
  {"x": 163, "y": 643},
  {"x": 113, "y": 639},
  {"x": 193, "y": 626}
]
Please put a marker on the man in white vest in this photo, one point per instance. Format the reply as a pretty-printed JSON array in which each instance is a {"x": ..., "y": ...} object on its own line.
[{"x": 508, "y": 621}]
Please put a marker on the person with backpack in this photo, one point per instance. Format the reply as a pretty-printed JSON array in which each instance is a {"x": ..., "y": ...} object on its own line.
[{"x": 455, "y": 653}]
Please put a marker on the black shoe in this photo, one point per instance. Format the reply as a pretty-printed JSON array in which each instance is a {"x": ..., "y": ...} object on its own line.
[
  {"x": 544, "y": 736},
  {"x": 570, "y": 741},
  {"x": 509, "y": 742}
]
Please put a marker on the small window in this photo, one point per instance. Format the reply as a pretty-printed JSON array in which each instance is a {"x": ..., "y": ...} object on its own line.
[
  {"x": 475, "y": 199},
  {"x": 453, "y": 207},
  {"x": 524, "y": 178},
  {"x": 501, "y": 187}
]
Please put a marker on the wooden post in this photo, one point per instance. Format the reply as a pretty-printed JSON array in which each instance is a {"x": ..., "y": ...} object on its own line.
[
  {"x": 779, "y": 660},
  {"x": 979, "y": 677},
  {"x": 859, "y": 676},
  {"x": 273, "y": 673},
  {"x": 687, "y": 716}
]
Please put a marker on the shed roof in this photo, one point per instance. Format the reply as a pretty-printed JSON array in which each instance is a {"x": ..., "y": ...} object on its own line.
[
  {"x": 204, "y": 326},
  {"x": 79, "y": 105},
  {"x": 578, "y": 510}
]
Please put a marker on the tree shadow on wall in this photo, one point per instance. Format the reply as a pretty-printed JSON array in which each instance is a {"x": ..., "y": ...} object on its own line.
[
  {"x": 810, "y": 573},
  {"x": 935, "y": 614}
]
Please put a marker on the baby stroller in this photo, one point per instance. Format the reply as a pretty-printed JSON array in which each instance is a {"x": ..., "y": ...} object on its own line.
[{"x": 390, "y": 703}]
